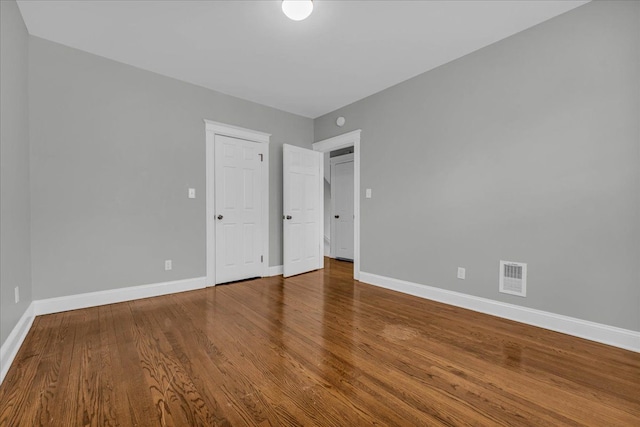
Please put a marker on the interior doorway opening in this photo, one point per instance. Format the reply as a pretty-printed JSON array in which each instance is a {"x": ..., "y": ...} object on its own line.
[
  {"x": 339, "y": 203},
  {"x": 349, "y": 142}
]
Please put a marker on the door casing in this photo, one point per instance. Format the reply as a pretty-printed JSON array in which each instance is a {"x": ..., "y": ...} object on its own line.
[
  {"x": 350, "y": 139},
  {"x": 211, "y": 130}
]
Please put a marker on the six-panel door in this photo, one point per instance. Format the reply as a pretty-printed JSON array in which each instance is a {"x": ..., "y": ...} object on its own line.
[
  {"x": 302, "y": 210},
  {"x": 238, "y": 209}
]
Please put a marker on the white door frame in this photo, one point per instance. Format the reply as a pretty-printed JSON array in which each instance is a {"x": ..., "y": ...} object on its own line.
[
  {"x": 211, "y": 130},
  {"x": 350, "y": 139}
]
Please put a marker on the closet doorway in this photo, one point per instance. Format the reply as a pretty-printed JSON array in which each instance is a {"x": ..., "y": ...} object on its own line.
[{"x": 237, "y": 203}]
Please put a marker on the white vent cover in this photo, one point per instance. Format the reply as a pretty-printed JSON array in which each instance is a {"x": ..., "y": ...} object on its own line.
[{"x": 513, "y": 278}]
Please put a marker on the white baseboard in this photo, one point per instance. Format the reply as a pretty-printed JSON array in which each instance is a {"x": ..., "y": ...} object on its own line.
[
  {"x": 15, "y": 339},
  {"x": 275, "y": 270},
  {"x": 11, "y": 346},
  {"x": 111, "y": 296},
  {"x": 611, "y": 335}
]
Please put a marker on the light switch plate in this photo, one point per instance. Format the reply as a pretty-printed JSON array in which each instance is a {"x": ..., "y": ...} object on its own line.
[
  {"x": 368, "y": 193},
  {"x": 192, "y": 193}
]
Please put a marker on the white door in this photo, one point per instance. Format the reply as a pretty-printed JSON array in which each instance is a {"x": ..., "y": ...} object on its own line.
[
  {"x": 238, "y": 209},
  {"x": 342, "y": 217},
  {"x": 302, "y": 210}
]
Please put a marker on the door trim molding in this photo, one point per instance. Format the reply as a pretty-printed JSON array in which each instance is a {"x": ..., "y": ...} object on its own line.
[
  {"x": 211, "y": 130},
  {"x": 341, "y": 141}
]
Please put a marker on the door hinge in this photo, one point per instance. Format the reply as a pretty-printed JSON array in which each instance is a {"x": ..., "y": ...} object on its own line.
[
  {"x": 261, "y": 157},
  {"x": 261, "y": 258}
]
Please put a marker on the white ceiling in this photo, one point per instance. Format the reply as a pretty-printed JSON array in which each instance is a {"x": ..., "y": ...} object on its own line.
[{"x": 345, "y": 51}]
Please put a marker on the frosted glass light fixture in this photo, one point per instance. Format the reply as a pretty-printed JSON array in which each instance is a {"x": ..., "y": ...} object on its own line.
[{"x": 297, "y": 10}]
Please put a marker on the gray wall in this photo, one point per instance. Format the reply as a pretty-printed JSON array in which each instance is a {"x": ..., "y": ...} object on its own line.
[
  {"x": 527, "y": 150},
  {"x": 114, "y": 149},
  {"x": 15, "y": 257}
]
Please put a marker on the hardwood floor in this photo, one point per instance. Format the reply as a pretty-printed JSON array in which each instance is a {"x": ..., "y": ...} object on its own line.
[{"x": 316, "y": 349}]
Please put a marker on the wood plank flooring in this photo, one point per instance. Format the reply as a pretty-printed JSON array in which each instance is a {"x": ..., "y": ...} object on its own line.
[{"x": 316, "y": 349}]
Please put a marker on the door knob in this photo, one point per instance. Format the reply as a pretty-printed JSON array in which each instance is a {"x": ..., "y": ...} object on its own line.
[
  {"x": 220, "y": 217},
  {"x": 336, "y": 216},
  {"x": 289, "y": 217}
]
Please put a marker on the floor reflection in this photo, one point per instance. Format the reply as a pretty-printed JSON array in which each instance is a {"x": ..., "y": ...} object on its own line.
[{"x": 338, "y": 329}]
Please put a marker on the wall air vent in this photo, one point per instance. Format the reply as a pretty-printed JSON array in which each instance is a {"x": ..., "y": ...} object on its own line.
[{"x": 513, "y": 278}]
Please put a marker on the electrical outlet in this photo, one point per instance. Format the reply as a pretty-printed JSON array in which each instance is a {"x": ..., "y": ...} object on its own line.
[
  {"x": 17, "y": 294},
  {"x": 192, "y": 193},
  {"x": 167, "y": 265},
  {"x": 462, "y": 273}
]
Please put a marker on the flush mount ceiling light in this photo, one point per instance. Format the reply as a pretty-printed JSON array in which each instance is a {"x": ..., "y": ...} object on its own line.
[{"x": 297, "y": 10}]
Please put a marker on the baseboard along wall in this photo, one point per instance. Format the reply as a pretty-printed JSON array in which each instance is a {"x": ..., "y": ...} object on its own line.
[
  {"x": 112, "y": 296},
  {"x": 17, "y": 336},
  {"x": 15, "y": 339},
  {"x": 275, "y": 270},
  {"x": 605, "y": 334},
  {"x": 617, "y": 337}
]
